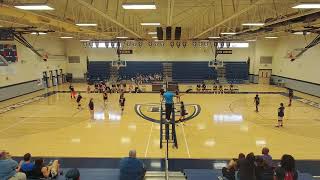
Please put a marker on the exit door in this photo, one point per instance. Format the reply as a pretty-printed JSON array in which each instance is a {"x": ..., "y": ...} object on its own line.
[{"x": 264, "y": 76}]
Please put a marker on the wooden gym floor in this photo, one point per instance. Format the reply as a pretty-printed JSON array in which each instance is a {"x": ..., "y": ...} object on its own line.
[{"x": 226, "y": 126}]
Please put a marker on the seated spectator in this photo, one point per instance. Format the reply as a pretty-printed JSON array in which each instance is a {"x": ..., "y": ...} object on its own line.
[
  {"x": 9, "y": 168},
  {"x": 263, "y": 171},
  {"x": 229, "y": 172},
  {"x": 287, "y": 169},
  {"x": 247, "y": 167},
  {"x": 131, "y": 168},
  {"x": 73, "y": 174},
  {"x": 266, "y": 157},
  {"x": 42, "y": 171},
  {"x": 26, "y": 165}
]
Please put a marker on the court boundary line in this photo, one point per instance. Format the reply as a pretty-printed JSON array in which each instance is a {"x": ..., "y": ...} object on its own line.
[
  {"x": 186, "y": 142},
  {"x": 148, "y": 143}
]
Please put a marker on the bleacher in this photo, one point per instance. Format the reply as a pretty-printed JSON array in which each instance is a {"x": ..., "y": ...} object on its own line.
[
  {"x": 142, "y": 67},
  {"x": 98, "y": 70},
  {"x": 192, "y": 72},
  {"x": 237, "y": 72}
]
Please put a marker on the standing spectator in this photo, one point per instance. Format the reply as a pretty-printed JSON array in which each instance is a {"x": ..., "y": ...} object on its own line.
[
  {"x": 26, "y": 165},
  {"x": 73, "y": 174},
  {"x": 131, "y": 168},
  {"x": 287, "y": 169},
  {"x": 246, "y": 167},
  {"x": 266, "y": 157},
  {"x": 9, "y": 168}
]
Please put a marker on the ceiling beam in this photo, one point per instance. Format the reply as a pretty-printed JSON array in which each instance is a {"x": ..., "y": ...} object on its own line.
[
  {"x": 37, "y": 19},
  {"x": 229, "y": 18},
  {"x": 170, "y": 12},
  {"x": 107, "y": 17}
]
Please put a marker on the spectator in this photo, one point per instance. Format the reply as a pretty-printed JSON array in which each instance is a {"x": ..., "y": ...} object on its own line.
[
  {"x": 262, "y": 170},
  {"x": 230, "y": 171},
  {"x": 266, "y": 157},
  {"x": 131, "y": 168},
  {"x": 246, "y": 167},
  {"x": 42, "y": 171},
  {"x": 26, "y": 165},
  {"x": 73, "y": 174},
  {"x": 9, "y": 168},
  {"x": 287, "y": 169},
  {"x": 240, "y": 157}
]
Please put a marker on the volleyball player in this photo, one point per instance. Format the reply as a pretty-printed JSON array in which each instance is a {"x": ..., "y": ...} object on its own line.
[
  {"x": 91, "y": 108},
  {"x": 72, "y": 92},
  {"x": 183, "y": 113},
  {"x": 161, "y": 94},
  {"x": 122, "y": 101},
  {"x": 79, "y": 100},
  {"x": 178, "y": 95},
  {"x": 257, "y": 102},
  {"x": 280, "y": 115},
  {"x": 105, "y": 97},
  {"x": 290, "y": 96},
  {"x": 88, "y": 89}
]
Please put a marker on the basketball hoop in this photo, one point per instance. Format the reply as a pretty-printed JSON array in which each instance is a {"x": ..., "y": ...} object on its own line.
[
  {"x": 45, "y": 56},
  {"x": 118, "y": 64}
]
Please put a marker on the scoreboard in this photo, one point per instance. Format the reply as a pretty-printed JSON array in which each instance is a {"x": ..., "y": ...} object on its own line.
[
  {"x": 9, "y": 52},
  {"x": 6, "y": 35}
]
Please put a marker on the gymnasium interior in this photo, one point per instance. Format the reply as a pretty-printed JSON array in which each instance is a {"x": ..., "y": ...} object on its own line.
[{"x": 214, "y": 56}]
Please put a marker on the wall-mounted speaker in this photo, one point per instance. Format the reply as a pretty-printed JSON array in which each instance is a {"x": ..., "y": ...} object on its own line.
[
  {"x": 177, "y": 33},
  {"x": 168, "y": 33},
  {"x": 160, "y": 33}
]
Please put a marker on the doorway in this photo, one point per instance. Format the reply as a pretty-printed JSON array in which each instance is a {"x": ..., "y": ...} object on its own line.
[
  {"x": 45, "y": 79},
  {"x": 265, "y": 76}
]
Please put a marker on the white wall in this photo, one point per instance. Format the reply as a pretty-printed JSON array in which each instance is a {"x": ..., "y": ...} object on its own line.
[
  {"x": 305, "y": 68},
  {"x": 30, "y": 66}
]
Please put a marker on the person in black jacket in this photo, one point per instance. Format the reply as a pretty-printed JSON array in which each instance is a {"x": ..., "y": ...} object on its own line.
[{"x": 247, "y": 167}]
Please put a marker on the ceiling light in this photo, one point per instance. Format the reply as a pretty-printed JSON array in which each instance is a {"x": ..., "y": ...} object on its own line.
[
  {"x": 152, "y": 33},
  {"x": 271, "y": 37},
  {"x": 307, "y": 6},
  {"x": 301, "y": 33},
  {"x": 214, "y": 37},
  {"x": 38, "y": 33},
  {"x": 157, "y": 40},
  {"x": 139, "y": 6},
  {"x": 251, "y": 40},
  {"x": 86, "y": 24},
  {"x": 84, "y": 40},
  {"x": 66, "y": 37},
  {"x": 122, "y": 37},
  {"x": 150, "y": 24},
  {"x": 37, "y": 7},
  {"x": 154, "y": 37},
  {"x": 228, "y": 33},
  {"x": 252, "y": 24}
]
